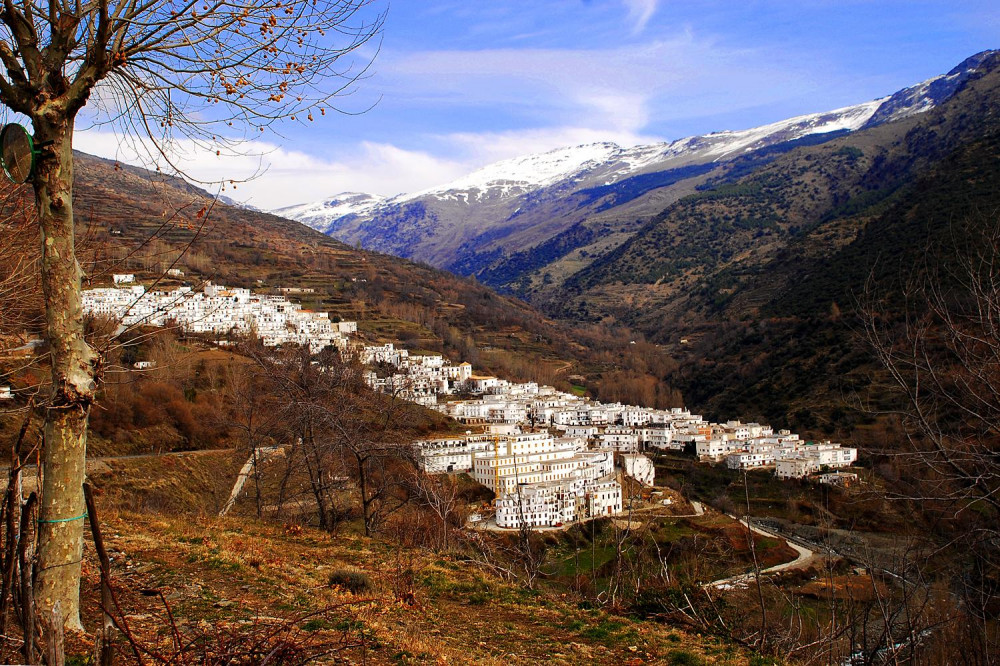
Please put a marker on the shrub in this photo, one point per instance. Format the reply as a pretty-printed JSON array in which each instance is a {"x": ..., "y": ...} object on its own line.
[
  {"x": 684, "y": 658},
  {"x": 354, "y": 582},
  {"x": 315, "y": 624}
]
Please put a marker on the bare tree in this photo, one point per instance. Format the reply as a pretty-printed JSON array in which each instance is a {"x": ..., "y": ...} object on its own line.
[
  {"x": 162, "y": 68},
  {"x": 529, "y": 552},
  {"x": 336, "y": 428},
  {"x": 301, "y": 393},
  {"x": 253, "y": 415},
  {"x": 368, "y": 431},
  {"x": 439, "y": 494},
  {"x": 939, "y": 341},
  {"x": 20, "y": 293}
]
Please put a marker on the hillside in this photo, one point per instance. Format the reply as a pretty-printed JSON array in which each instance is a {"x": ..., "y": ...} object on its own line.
[
  {"x": 131, "y": 220},
  {"x": 191, "y": 587},
  {"x": 760, "y": 271}
]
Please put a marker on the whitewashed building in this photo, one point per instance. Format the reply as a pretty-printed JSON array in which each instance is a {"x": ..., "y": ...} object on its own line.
[
  {"x": 639, "y": 467},
  {"x": 442, "y": 456},
  {"x": 659, "y": 436},
  {"x": 808, "y": 458},
  {"x": 748, "y": 460},
  {"x": 619, "y": 439},
  {"x": 557, "y": 503},
  {"x": 544, "y": 484},
  {"x": 218, "y": 310}
]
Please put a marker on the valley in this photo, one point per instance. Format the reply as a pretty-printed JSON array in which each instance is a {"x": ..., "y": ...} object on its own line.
[{"x": 582, "y": 393}]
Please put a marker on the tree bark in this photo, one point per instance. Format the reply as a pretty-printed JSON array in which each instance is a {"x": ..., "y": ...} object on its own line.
[
  {"x": 24, "y": 558},
  {"x": 61, "y": 508}
]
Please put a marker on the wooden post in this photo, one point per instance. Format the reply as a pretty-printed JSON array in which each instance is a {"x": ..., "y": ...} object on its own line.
[
  {"x": 12, "y": 505},
  {"x": 55, "y": 643},
  {"x": 27, "y": 600},
  {"x": 106, "y": 651}
]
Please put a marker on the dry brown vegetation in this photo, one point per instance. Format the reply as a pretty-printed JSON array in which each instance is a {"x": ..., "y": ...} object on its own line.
[{"x": 377, "y": 600}]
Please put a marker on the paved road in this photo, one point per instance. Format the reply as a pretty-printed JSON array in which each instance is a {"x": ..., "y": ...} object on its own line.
[
  {"x": 804, "y": 556},
  {"x": 196, "y": 452}
]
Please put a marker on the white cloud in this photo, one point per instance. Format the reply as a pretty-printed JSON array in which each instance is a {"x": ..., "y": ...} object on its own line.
[
  {"x": 482, "y": 148},
  {"x": 269, "y": 177},
  {"x": 513, "y": 102},
  {"x": 276, "y": 177},
  {"x": 640, "y": 12}
]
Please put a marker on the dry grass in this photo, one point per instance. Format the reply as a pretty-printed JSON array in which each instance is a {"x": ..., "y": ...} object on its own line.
[
  {"x": 237, "y": 574},
  {"x": 234, "y": 571}
]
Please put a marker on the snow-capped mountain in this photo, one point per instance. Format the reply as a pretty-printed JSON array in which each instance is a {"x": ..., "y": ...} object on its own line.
[
  {"x": 319, "y": 214},
  {"x": 925, "y": 96},
  {"x": 604, "y": 160},
  {"x": 521, "y": 202}
]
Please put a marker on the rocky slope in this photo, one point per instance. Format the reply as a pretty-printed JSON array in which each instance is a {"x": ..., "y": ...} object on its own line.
[{"x": 760, "y": 270}]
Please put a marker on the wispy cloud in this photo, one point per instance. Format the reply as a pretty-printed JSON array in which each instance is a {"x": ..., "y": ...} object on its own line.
[
  {"x": 613, "y": 89},
  {"x": 463, "y": 84},
  {"x": 640, "y": 12},
  {"x": 480, "y": 148},
  {"x": 518, "y": 101}
]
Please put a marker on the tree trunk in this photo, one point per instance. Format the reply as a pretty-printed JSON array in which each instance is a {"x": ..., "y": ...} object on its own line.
[
  {"x": 256, "y": 478},
  {"x": 365, "y": 500},
  {"x": 61, "y": 510}
]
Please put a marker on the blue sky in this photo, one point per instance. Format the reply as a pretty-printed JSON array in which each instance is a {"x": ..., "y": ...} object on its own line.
[{"x": 459, "y": 84}]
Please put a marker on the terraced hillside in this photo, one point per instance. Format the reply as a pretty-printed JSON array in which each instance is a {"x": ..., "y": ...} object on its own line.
[{"x": 132, "y": 220}]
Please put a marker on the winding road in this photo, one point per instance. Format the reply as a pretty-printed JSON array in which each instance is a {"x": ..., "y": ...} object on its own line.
[{"x": 804, "y": 556}]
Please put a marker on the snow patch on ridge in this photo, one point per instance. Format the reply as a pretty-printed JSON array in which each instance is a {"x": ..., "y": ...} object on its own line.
[
  {"x": 724, "y": 144},
  {"x": 318, "y": 214},
  {"x": 608, "y": 163},
  {"x": 521, "y": 174}
]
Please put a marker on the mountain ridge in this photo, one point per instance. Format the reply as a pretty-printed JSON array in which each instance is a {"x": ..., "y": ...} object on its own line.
[
  {"x": 761, "y": 273},
  {"x": 481, "y": 222}
]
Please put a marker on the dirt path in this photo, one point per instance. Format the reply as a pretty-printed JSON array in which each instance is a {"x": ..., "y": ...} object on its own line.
[
  {"x": 264, "y": 454},
  {"x": 566, "y": 365},
  {"x": 98, "y": 464},
  {"x": 699, "y": 510}
]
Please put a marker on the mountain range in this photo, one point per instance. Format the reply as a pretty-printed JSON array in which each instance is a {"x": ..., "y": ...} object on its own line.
[
  {"x": 740, "y": 255},
  {"x": 132, "y": 220},
  {"x": 735, "y": 277},
  {"x": 524, "y": 224}
]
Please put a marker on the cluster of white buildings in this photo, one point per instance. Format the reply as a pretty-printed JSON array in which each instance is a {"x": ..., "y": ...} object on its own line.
[
  {"x": 539, "y": 480},
  {"x": 420, "y": 378},
  {"x": 809, "y": 458},
  {"x": 625, "y": 429},
  {"x": 218, "y": 310},
  {"x": 561, "y": 471},
  {"x": 748, "y": 446}
]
